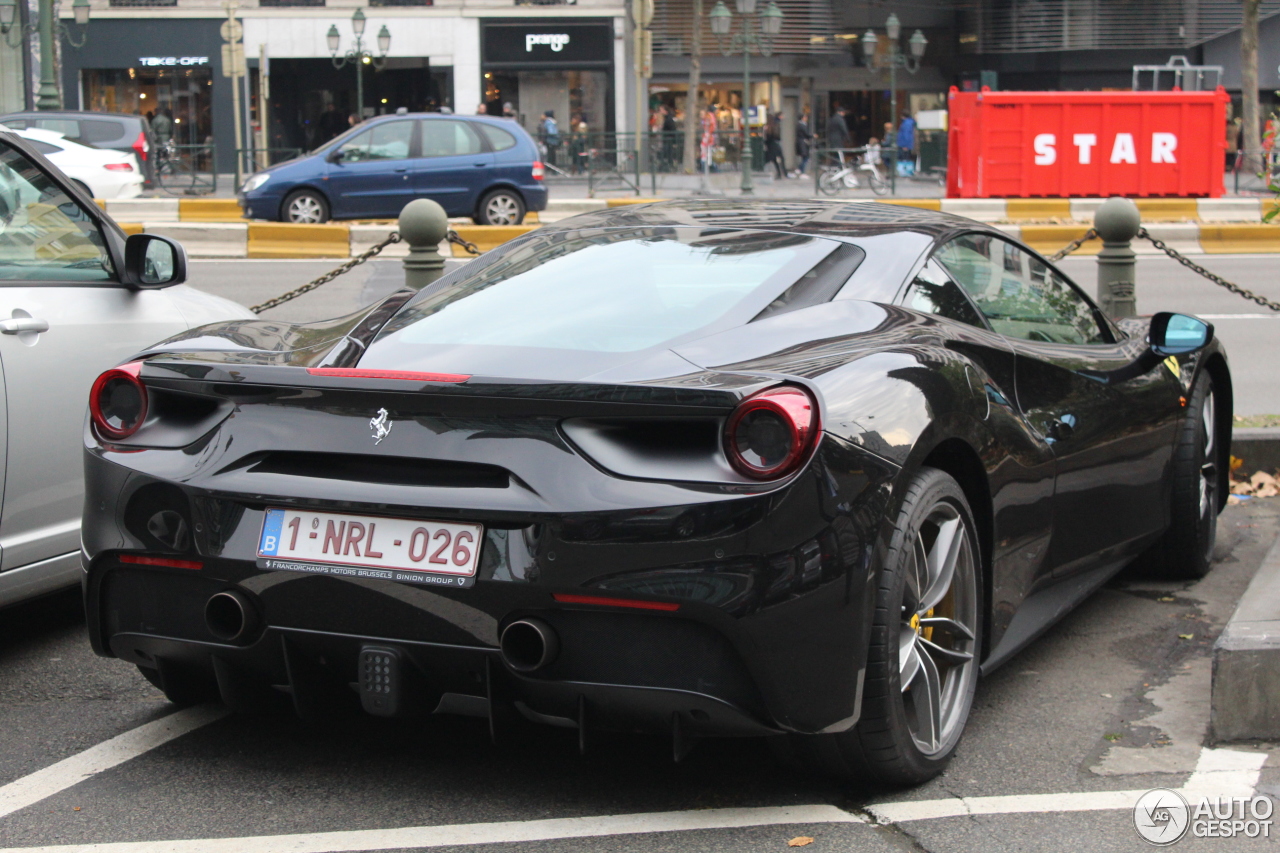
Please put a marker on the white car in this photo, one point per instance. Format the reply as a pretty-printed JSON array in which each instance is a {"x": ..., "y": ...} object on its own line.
[
  {"x": 100, "y": 172},
  {"x": 77, "y": 296}
]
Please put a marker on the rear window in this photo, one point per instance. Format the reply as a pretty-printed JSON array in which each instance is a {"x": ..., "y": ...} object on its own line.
[
  {"x": 613, "y": 291},
  {"x": 69, "y": 128},
  {"x": 443, "y": 138},
  {"x": 97, "y": 130},
  {"x": 500, "y": 139}
]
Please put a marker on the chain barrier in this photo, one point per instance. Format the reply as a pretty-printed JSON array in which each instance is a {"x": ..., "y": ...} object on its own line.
[
  {"x": 1216, "y": 279},
  {"x": 470, "y": 248},
  {"x": 1091, "y": 234},
  {"x": 393, "y": 237}
]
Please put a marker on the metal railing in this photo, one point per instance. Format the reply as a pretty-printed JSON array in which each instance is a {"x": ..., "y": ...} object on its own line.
[{"x": 1255, "y": 171}]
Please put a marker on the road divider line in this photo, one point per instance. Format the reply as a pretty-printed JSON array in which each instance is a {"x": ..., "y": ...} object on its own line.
[
  {"x": 110, "y": 753},
  {"x": 418, "y": 837}
]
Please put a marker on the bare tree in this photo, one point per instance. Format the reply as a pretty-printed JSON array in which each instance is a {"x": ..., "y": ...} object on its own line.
[
  {"x": 692, "y": 110},
  {"x": 1249, "y": 82}
]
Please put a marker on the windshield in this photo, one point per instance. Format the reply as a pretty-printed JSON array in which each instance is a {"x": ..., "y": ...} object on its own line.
[{"x": 618, "y": 290}]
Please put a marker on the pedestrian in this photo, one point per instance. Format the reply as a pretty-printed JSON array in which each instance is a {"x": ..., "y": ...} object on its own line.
[
  {"x": 162, "y": 126},
  {"x": 550, "y": 133},
  {"x": 838, "y": 129},
  {"x": 907, "y": 137},
  {"x": 773, "y": 144},
  {"x": 509, "y": 110},
  {"x": 483, "y": 109},
  {"x": 804, "y": 140},
  {"x": 710, "y": 125},
  {"x": 669, "y": 131}
]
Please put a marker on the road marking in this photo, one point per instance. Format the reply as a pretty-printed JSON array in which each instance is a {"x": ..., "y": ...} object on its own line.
[
  {"x": 1219, "y": 772},
  {"x": 477, "y": 833},
  {"x": 110, "y": 753}
]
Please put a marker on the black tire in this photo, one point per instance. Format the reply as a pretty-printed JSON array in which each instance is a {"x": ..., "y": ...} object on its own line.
[
  {"x": 305, "y": 206},
  {"x": 1185, "y": 551},
  {"x": 884, "y": 749},
  {"x": 828, "y": 183},
  {"x": 500, "y": 207}
]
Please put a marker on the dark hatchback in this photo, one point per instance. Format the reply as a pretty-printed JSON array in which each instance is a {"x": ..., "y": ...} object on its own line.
[
  {"x": 129, "y": 134},
  {"x": 484, "y": 168}
]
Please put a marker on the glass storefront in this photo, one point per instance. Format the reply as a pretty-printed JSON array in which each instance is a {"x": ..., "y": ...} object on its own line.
[
  {"x": 535, "y": 66},
  {"x": 182, "y": 94}
]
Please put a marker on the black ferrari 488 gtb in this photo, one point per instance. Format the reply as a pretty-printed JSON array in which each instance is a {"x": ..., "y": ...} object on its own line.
[{"x": 790, "y": 470}]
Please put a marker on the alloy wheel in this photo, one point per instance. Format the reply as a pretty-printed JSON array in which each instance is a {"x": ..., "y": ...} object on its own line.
[
  {"x": 502, "y": 210},
  {"x": 305, "y": 208},
  {"x": 1208, "y": 464},
  {"x": 936, "y": 640}
]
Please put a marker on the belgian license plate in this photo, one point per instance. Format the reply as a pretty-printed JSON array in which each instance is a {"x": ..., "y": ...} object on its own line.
[{"x": 443, "y": 553}]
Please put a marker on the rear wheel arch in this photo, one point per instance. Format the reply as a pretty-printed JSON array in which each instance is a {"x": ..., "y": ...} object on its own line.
[{"x": 957, "y": 458}]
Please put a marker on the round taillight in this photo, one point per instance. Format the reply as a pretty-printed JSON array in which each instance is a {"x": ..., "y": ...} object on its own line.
[
  {"x": 768, "y": 435},
  {"x": 118, "y": 402}
]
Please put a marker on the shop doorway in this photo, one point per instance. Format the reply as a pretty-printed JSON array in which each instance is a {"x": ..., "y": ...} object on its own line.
[
  {"x": 312, "y": 102},
  {"x": 183, "y": 94},
  {"x": 577, "y": 98}
]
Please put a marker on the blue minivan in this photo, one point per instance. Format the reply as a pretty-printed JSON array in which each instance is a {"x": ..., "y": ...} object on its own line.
[{"x": 485, "y": 168}]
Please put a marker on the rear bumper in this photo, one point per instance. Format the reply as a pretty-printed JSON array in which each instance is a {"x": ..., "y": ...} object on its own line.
[{"x": 621, "y": 671}]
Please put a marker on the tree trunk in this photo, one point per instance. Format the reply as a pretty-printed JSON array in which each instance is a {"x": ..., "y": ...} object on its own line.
[
  {"x": 692, "y": 106},
  {"x": 1252, "y": 129}
]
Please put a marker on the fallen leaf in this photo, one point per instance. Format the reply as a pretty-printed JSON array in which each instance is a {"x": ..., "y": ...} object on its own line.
[
  {"x": 1165, "y": 598},
  {"x": 1112, "y": 737},
  {"x": 800, "y": 841},
  {"x": 1262, "y": 478},
  {"x": 75, "y": 808},
  {"x": 1105, "y": 695},
  {"x": 1186, "y": 636},
  {"x": 1236, "y": 463}
]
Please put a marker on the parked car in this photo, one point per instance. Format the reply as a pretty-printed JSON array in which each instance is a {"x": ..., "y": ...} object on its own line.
[
  {"x": 76, "y": 297},
  {"x": 130, "y": 134},
  {"x": 98, "y": 172},
  {"x": 485, "y": 168},
  {"x": 711, "y": 468}
]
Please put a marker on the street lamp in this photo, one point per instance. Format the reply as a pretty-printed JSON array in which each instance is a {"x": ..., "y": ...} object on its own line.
[
  {"x": 49, "y": 29},
  {"x": 357, "y": 55},
  {"x": 894, "y": 60},
  {"x": 770, "y": 25}
]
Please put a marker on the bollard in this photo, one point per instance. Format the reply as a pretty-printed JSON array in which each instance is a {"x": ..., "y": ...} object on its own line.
[
  {"x": 423, "y": 224},
  {"x": 1117, "y": 221}
]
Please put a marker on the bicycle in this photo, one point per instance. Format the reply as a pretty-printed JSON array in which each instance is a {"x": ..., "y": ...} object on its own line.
[
  {"x": 841, "y": 175},
  {"x": 173, "y": 173}
]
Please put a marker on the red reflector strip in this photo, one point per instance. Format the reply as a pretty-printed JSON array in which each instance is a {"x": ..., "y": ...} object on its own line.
[
  {"x": 406, "y": 375},
  {"x": 139, "y": 560},
  {"x": 565, "y": 598}
]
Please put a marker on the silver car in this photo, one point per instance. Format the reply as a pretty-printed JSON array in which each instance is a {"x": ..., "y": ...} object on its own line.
[{"x": 76, "y": 297}]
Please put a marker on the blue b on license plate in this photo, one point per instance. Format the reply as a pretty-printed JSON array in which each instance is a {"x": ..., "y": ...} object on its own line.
[{"x": 441, "y": 553}]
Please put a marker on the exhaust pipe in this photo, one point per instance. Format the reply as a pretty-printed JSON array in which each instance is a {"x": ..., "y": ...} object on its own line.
[
  {"x": 230, "y": 617},
  {"x": 528, "y": 645}
]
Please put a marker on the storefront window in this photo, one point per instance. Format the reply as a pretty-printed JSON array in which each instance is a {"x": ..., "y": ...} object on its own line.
[{"x": 183, "y": 95}]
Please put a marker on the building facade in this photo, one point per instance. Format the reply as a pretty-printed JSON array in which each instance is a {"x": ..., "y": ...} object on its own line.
[{"x": 166, "y": 56}]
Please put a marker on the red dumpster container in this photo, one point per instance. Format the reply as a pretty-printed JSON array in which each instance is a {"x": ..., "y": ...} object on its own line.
[{"x": 1026, "y": 144}]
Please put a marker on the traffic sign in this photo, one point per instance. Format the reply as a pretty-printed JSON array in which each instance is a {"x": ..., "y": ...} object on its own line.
[
  {"x": 232, "y": 60},
  {"x": 231, "y": 30}
]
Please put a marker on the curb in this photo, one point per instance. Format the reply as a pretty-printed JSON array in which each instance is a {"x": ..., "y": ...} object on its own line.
[
  {"x": 243, "y": 239},
  {"x": 1245, "y": 692}
]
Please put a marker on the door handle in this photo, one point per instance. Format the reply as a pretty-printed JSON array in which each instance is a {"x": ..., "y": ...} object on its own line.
[
  {"x": 23, "y": 324},
  {"x": 478, "y": 165}
]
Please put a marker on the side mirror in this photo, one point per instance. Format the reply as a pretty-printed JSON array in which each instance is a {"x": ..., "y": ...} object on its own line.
[
  {"x": 334, "y": 156},
  {"x": 152, "y": 261},
  {"x": 1178, "y": 334}
]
